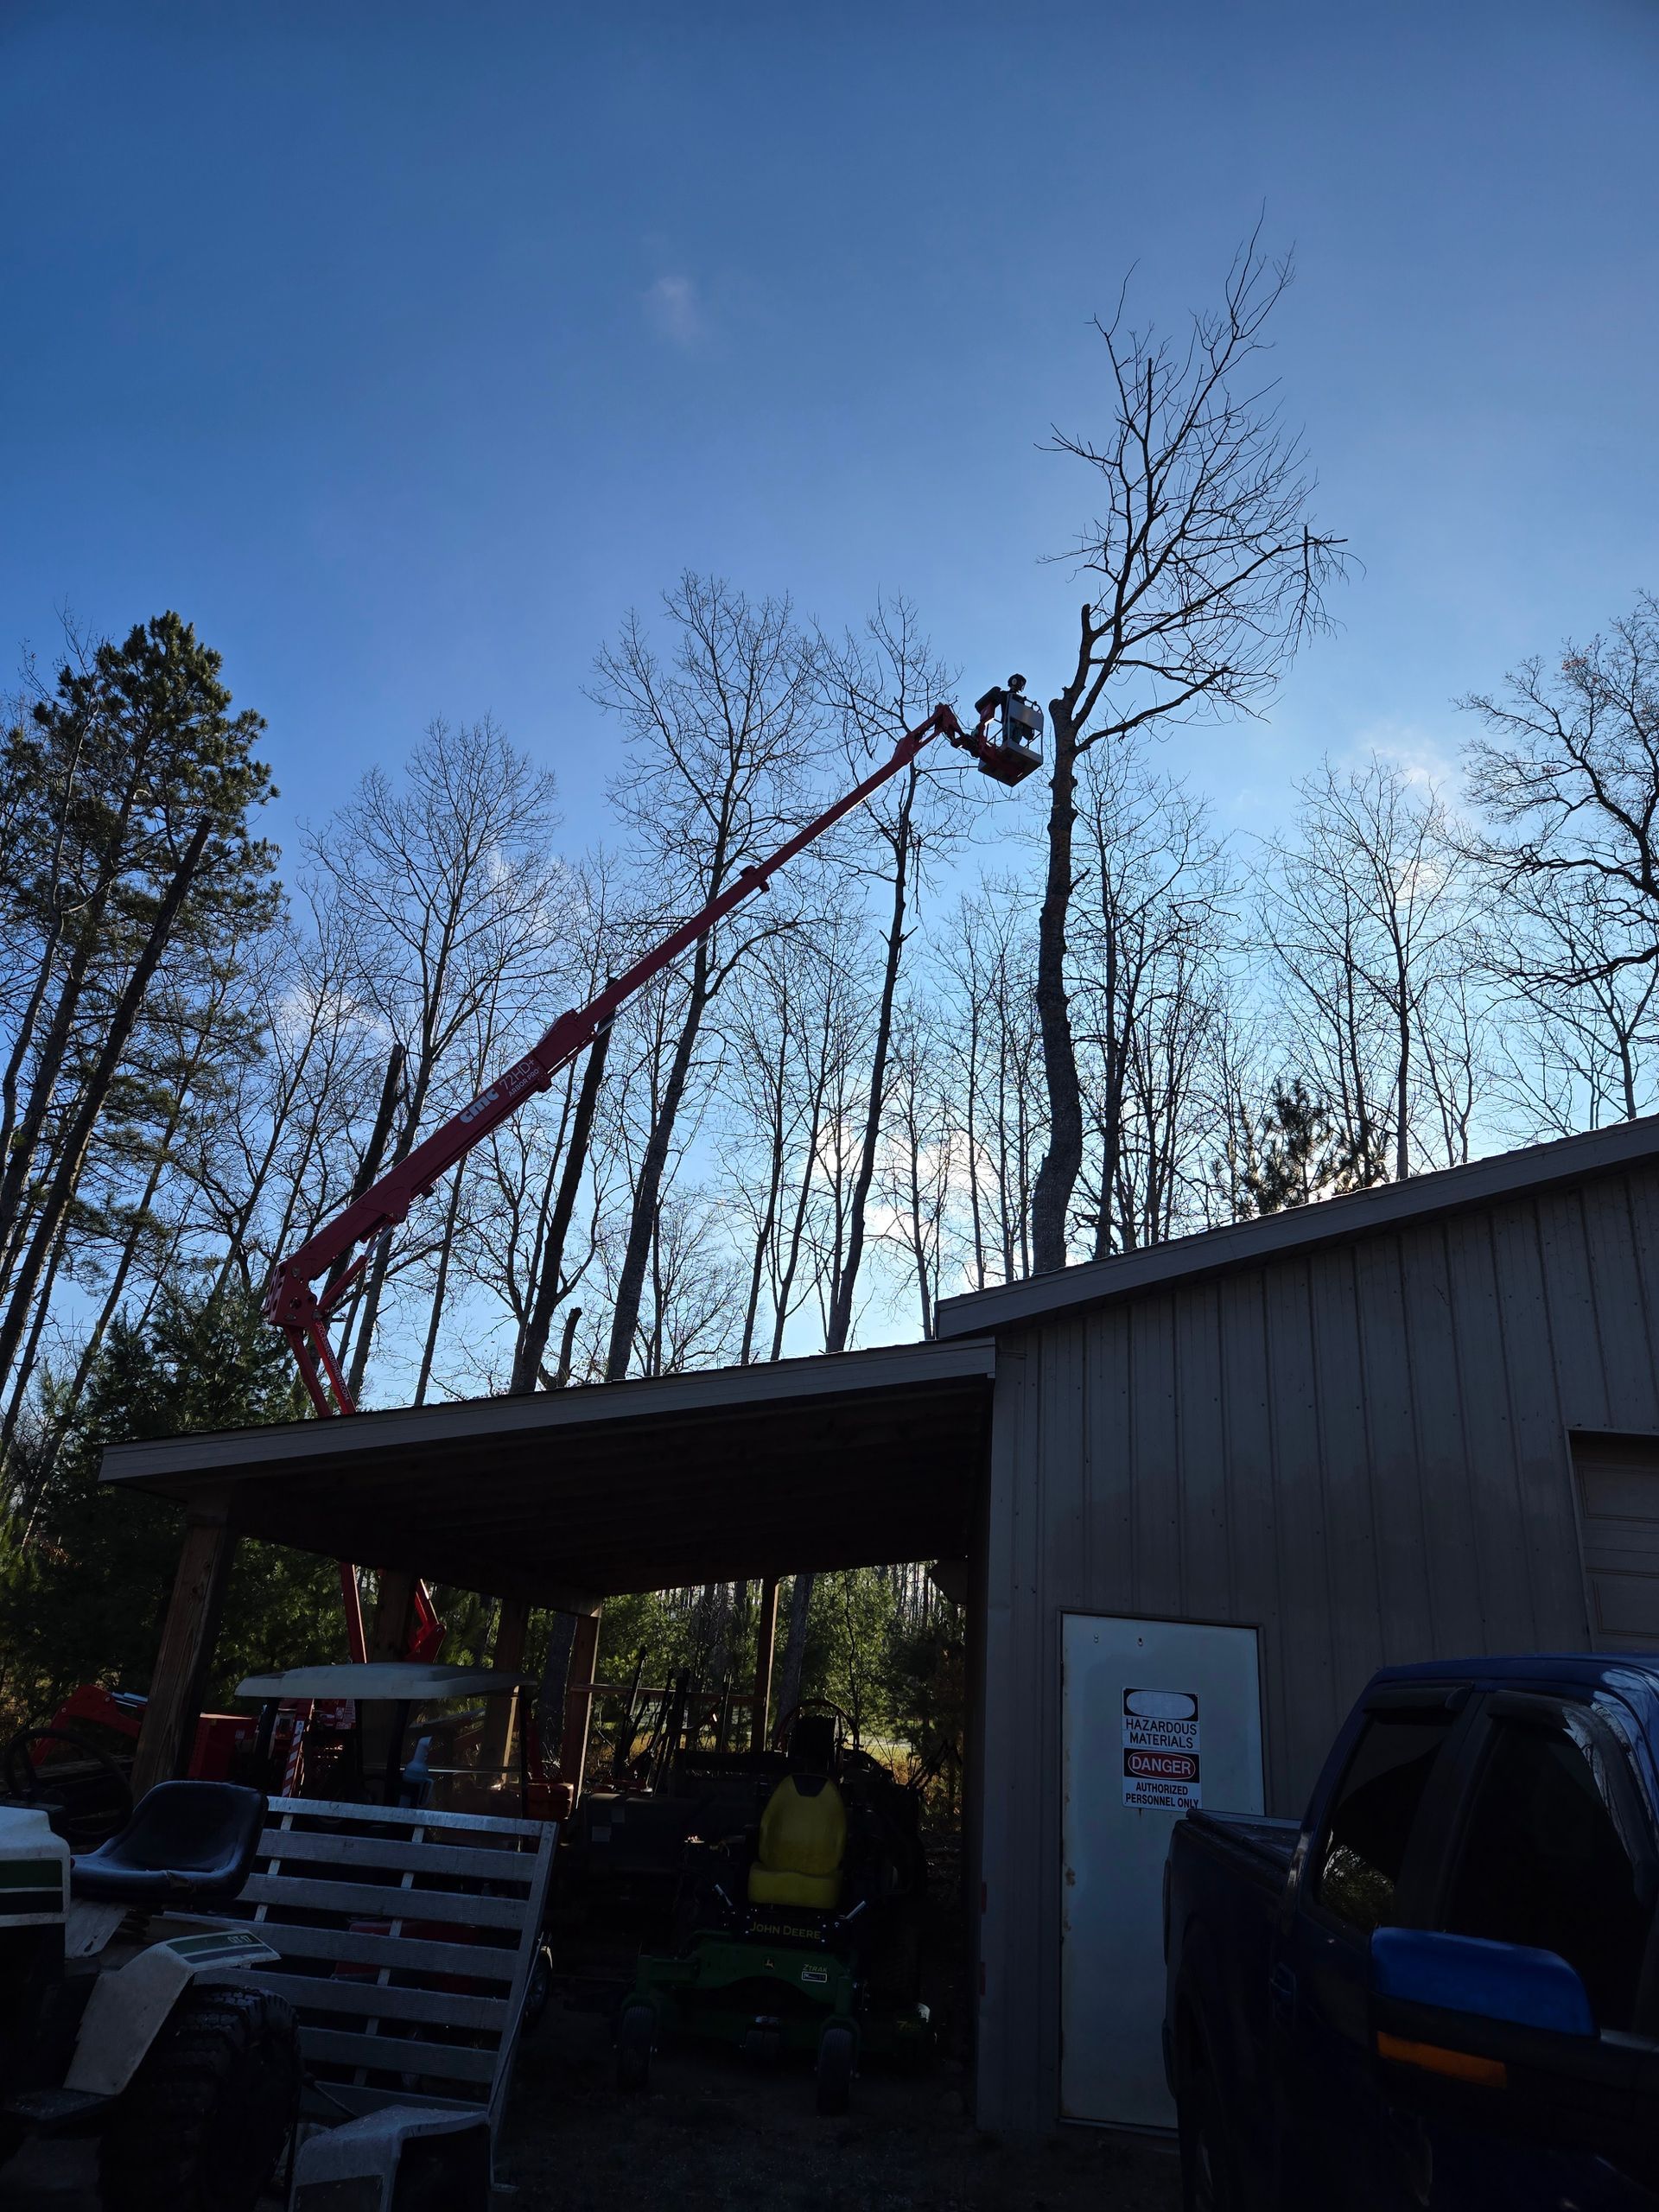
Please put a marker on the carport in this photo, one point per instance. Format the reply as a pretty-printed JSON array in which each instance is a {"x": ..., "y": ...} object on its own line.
[{"x": 565, "y": 1499}]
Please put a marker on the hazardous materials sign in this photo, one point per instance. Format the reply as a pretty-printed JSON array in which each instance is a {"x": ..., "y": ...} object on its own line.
[{"x": 1160, "y": 1749}]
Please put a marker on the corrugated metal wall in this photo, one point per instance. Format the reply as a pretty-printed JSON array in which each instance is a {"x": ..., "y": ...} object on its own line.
[{"x": 1360, "y": 1452}]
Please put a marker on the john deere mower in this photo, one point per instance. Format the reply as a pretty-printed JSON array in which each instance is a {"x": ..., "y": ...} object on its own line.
[
  {"x": 801, "y": 1933},
  {"x": 116, "y": 2022}
]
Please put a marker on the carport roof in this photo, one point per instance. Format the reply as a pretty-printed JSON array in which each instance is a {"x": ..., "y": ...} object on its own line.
[{"x": 844, "y": 1460}]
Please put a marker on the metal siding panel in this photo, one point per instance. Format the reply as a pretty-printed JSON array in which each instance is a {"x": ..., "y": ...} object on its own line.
[
  {"x": 1507, "y": 1607},
  {"x": 1641, "y": 1190},
  {"x": 1305, "y": 1593},
  {"x": 1536, "y": 1366},
  {"x": 1207, "y": 1590},
  {"x": 1065, "y": 1582},
  {"x": 1457, "y": 1619},
  {"x": 1351, "y": 1535},
  {"x": 1253, "y": 1514},
  {"x": 1623, "y": 1313},
  {"x": 1156, "y": 1473},
  {"x": 1065, "y": 1464},
  {"x": 1404, "y": 1603},
  {"x": 996, "y": 2084},
  {"x": 1567, "y": 1313},
  {"x": 1109, "y": 1445},
  {"x": 1031, "y": 1968}
]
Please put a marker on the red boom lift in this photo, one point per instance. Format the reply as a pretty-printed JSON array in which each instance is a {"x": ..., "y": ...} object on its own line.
[{"x": 1008, "y": 753}]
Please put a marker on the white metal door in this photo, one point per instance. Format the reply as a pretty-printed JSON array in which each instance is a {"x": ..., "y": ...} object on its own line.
[{"x": 1156, "y": 1716}]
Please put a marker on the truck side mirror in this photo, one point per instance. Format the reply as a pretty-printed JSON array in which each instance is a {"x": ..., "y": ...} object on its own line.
[{"x": 1420, "y": 1971}]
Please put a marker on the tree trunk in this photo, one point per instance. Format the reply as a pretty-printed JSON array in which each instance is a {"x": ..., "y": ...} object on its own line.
[
  {"x": 452, "y": 1214},
  {"x": 768, "y": 1225},
  {"x": 841, "y": 1311},
  {"x": 556, "y": 1675},
  {"x": 1062, "y": 1163},
  {"x": 119, "y": 1280},
  {"x": 636, "y": 1255},
  {"x": 532, "y": 1346},
  {"x": 26, "y": 1364},
  {"x": 789, "y": 1672},
  {"x": 54, "y": 1207},
  {"x": 20, "y": 1159}
]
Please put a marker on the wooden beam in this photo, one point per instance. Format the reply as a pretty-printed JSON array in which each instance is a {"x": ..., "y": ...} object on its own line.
[
  {"x": 579, "y": 1702},
  {"x": 189, "y": 1634},
  {"x": 766, "y": 1638},
  {"x": 389, "y": 1638},
  {"x": 507, "y": 1657}
]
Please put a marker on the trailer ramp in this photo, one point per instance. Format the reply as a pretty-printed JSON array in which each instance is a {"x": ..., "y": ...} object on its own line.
[{"x": 408, "y": 1939}]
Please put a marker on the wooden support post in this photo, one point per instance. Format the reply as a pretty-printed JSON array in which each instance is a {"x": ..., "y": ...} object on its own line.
[
  {"x": 191, "y": 1629},
  {"x": 389, "y": 1638},
  {"x": 765, "y": 1637},
  {"x": 579, "y": 1702},
  {"x": 507, "y": 1657}
]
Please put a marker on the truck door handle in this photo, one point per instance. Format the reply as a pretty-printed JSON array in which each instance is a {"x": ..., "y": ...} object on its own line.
[{"x": 1281, "y": 1991}]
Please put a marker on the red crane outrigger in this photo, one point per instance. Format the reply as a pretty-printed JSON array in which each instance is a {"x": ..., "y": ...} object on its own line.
[{"x": 298, "y": 1309}]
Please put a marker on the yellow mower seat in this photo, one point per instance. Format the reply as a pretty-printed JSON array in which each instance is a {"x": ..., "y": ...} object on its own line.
[{"x": 802, "y": 1840}]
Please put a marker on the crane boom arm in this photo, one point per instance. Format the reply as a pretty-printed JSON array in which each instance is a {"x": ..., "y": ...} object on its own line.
[{"x": 294, "y": 1306}]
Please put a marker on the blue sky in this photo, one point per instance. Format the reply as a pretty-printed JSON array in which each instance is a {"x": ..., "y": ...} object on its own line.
[{"x": 402, "y": 347}]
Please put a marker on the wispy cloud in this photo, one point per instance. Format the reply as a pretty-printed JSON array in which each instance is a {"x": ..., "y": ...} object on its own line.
[
  {"x": 675, "y": 311},
  {"x": 1425, "y": 756}
]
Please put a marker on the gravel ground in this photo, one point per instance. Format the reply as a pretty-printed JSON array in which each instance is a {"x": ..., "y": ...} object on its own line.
[{"x": 711, "y": 2133}]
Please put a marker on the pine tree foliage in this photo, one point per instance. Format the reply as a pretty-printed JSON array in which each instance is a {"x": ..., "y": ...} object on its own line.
[{"x": 83, "y": 1598}]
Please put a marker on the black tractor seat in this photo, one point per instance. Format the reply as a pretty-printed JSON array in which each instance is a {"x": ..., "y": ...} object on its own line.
[{"x": 185, "y": 1840}]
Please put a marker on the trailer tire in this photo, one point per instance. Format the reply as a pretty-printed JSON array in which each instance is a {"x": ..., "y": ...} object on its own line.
[
  {"x": 202, "y": 2124},
  {"x": 837, "y": 2046},
  {"x": 635, "y": 2033}
]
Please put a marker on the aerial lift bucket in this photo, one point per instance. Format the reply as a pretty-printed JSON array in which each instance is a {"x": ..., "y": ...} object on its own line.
[{"x": 1012, "y": 748}]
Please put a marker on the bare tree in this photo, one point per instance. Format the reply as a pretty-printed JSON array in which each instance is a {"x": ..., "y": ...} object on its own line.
[
  {"x": 986, "y": 966},
  {"x": 1567, "y": 776},
  {"x": 1151, "y": 939},
  {"x": 920, "y": 1156},
  {"x": 1208, "y": 575},
  {"x": 454, "y": 902},
  {"x": 297, "y": 1115},
  {"x": 793, "y": 1033},
  {"x": 878, "y": 684},
  {"x": 1585, "y": 1053},
  {"x": 1369, "y": 906},
  {"x": 716, "y": 738}
]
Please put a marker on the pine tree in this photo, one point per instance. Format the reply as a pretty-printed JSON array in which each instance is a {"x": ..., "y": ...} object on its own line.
[{"x": 82, "y": 1596}]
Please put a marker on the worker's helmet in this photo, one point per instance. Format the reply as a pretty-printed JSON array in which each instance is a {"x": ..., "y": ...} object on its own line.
[{"x": 1016, "y": 684}]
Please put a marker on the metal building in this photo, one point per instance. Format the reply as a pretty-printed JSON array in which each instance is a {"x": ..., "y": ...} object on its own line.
[
  {"x": 1420, "y": 1420},
  {"x": 1200, "y": 1493}
]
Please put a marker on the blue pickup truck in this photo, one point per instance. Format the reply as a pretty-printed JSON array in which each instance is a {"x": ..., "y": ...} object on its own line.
[{"x": 1440, "y": 1988}]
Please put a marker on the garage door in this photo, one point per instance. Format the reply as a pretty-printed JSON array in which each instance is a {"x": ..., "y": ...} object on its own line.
[{"x": 1618, "y": 1527}]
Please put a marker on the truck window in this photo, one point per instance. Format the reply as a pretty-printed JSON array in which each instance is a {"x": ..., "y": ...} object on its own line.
[
  {"x": 1358, "y": 1856},
  {"x": 1543, "y": 1863}
]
